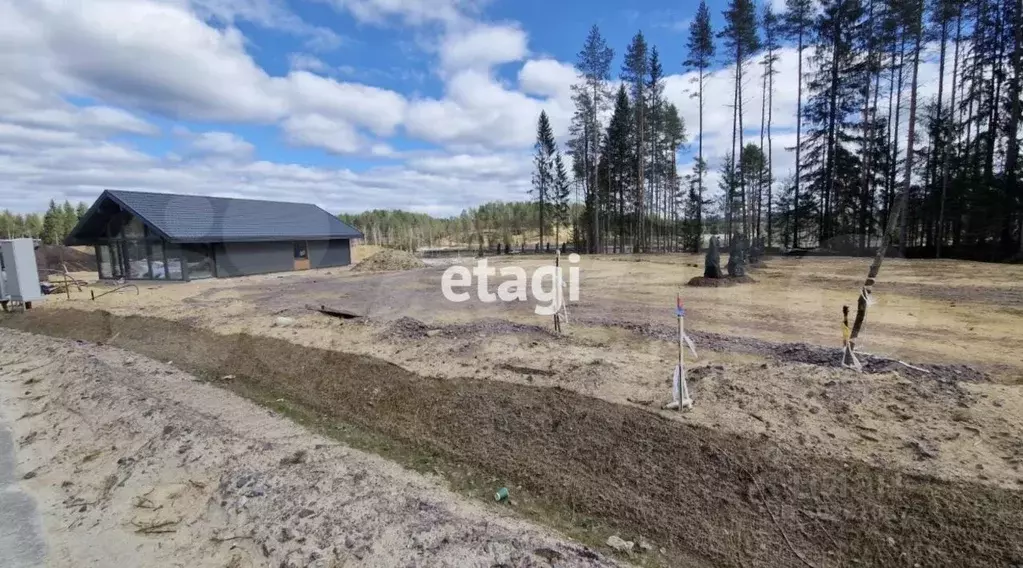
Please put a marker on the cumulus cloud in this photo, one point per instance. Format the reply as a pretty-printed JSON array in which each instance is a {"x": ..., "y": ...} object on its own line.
[
  {"x": 482, "y": 47},
  {"x": 116, "y": 55},
  {"x": 411, "y": 12}
]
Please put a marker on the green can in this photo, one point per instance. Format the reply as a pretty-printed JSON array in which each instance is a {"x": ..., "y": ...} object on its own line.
[{"x": 501, "y": 494}]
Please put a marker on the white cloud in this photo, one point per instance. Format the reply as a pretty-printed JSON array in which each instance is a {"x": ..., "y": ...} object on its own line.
[
  {"x": 319, "y": 131},
  {"x": 271, "y": 14},
  {"x": 482, "y": 47},
  {"x": 547, "y": 78},
  {"x": 224, "y": 144},
  {"x": 380, "y": 110},
  {"x": 411, "y": 12},
  {"x": 306, "y": 62}
]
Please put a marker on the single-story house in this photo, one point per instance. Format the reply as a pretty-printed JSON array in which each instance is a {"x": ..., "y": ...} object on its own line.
[{"x": 162, "y": 236}]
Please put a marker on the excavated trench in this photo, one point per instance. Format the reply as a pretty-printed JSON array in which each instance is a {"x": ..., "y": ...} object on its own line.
[{"x": 719, "y": 498}]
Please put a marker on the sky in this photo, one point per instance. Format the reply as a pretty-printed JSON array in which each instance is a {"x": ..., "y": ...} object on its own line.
[{"x": 423, "y": 105}]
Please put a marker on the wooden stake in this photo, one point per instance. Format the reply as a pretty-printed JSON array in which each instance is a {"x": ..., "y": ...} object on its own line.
[{"x": 557, "y": 292}]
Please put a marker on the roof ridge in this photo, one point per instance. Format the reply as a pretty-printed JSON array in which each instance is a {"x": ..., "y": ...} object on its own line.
[{"x": 248, "y": 199}]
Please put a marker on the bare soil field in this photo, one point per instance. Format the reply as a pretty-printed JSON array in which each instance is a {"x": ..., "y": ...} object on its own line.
[
  {"x": 136, "y": 463},
  {"x": 784, "y": 450}
]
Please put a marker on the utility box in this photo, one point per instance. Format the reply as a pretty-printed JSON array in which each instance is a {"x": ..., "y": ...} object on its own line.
[{"x": 20, "y": 277}]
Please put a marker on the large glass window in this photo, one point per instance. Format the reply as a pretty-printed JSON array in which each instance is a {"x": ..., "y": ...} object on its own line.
[
  {"x": 138, "y": 260},
  {"x": 134, "y": 229},
  {"x": 200, "y": 261},
  {"x": 106, "y": 269},
  {"x": 157, "y": 265},
  {"x": 173, "y": 253}
]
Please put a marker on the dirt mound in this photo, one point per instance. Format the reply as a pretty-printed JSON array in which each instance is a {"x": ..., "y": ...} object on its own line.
[
  {"x": 54, "y": 257},
  {"x": 746, "y": 500},
  {"x": 387, "y": 260},
  {"x": 704, "y": 282}
]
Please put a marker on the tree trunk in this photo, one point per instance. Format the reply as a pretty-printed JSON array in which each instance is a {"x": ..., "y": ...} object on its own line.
[
  {"x": 799, "y": 141},
  {"x": 699, "y": 206},
  {"x": 899, "y": 209},
  {"x": 770, "y": 146},
  {"x": 1012, "y": 152},
  {"x": 945, "y": 151}
]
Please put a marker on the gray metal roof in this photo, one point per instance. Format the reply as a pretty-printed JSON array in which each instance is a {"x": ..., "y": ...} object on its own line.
[{"x": 202, "y": 219}]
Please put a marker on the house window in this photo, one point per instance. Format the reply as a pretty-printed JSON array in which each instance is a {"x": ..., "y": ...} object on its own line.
[{"x": 301, "y": 252}]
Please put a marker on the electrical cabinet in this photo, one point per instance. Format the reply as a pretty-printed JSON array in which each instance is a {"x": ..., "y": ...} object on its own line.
[{"x": 20, "y": 277}]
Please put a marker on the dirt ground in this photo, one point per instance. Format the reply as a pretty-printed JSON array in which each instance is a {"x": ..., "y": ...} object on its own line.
[
  {"x": 136, "y": 463},
  {"x": 768, "y": 351},
  {"x": 770, "y": 346}
]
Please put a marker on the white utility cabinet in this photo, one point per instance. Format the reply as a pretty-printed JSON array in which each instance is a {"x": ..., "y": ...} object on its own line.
[{"x": 20, "y": 277}]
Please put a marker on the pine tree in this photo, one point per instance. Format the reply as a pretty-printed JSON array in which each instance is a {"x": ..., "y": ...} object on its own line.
[
  {"x": 770, "y": 24},
  {"x": 797, "y": 20},
  {"x": 559, "y": 197},
  {"x": 701, "y": 53},
  {"x": 619, "y": 163},
  {"x": 68, "y": 220},
  {"x": 52, "y": 224},
  {"x": 591, "y": 95},
  {"x": 634, "y": 74},
  {"x": 543, "y": 174},
  {"x": 740, "y": 34}
]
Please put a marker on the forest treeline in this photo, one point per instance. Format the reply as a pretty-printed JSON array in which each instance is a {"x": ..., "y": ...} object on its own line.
[
  {"x": 859, "y": 111},
  {"x": 858, "y": 114},
  {"x": 51, "y": 227}
]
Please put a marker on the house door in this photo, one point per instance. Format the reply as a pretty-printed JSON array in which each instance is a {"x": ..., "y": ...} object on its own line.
[{"x": 301, "y": 256}]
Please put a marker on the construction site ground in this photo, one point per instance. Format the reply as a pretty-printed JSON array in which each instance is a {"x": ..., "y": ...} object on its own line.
[{"x": 786, "y": 458}]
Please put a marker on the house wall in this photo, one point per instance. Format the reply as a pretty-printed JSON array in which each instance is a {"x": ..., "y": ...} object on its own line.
[
  {"x": 335, "y": 252},
  {"x": 240, "y": 259}
]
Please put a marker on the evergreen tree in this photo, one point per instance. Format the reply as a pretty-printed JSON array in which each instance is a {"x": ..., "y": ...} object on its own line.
[
  {"x": 634, "y": 74},
  {"x": 543, "y": 173},
  {"x": 797, "y": 21},
  {"x": 68, "y": 220},
  {"x": 771, "y": 25},
  {"x": 740, "y": 34},
  {"x": 701, "y": 53},
  {"x": 52, "y": 224},
  {"x": 654, "y": 148},
  {"x": 619, "y": 163},
  {"x": 559, "y": 197},
  {"x": 591, "y": 95}
]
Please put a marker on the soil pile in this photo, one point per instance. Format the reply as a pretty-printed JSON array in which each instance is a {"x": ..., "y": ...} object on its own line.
[
  {"x": 387, "y": 260},
  {"x": 54, "y": 257}
]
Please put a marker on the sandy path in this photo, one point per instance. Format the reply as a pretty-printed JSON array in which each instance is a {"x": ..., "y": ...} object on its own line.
[
  {"x": 21, "y": 540},
  {"x": 136, "y": 463}
]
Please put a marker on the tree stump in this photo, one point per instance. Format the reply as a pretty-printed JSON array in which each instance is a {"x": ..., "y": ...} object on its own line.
[
  {"x": 712, "y": 262},
  {"x": 737, "y": 252}
]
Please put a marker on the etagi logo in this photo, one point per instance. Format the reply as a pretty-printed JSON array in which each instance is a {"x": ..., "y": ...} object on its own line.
[{"x": 549, "y": 299}]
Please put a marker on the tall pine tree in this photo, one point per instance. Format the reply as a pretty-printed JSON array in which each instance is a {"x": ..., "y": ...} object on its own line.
[
  {"x": 543, "y": 170},
  {"x": 701, "y": 54}
]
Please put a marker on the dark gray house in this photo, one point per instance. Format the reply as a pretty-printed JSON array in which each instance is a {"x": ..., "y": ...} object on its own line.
[{"x": 161, "y": 236}]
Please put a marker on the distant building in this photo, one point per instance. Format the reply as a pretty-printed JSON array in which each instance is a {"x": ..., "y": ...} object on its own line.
[{"x": 160, "y": 236}]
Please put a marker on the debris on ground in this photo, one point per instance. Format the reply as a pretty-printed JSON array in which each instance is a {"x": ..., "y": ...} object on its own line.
[
  {"x": 618, "y": 544},
  {"x": 388, "y": 260}
]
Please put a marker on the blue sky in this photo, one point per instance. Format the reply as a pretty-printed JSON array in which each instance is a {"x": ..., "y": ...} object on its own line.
[{"x": 427, "y": 105}]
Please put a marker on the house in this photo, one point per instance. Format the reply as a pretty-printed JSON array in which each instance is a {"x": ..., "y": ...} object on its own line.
[{"x": 161, "y": 236}]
